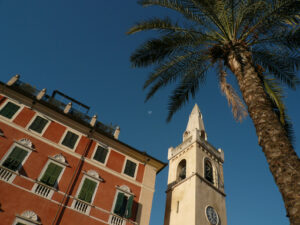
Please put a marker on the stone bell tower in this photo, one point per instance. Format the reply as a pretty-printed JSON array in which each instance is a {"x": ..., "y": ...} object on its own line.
[{"x": 195, "y": 193}]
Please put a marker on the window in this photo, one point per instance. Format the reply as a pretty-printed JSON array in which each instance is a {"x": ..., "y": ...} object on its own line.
[
  {"x": 70, "y": 139},
  {"x": 38, "y": 124},
  {"x": 87, "y": 190},
  {"x": 130, "y": 168},
  {"x": 123, "y": 205},
  {"x": 181, "y": 170},
  {"x": 100, "y": 154},
  {"x": 208, "y": 171},
  {"x": 51, "y": 174},
  {"x": 9, "y": 110},
  {"x": 15, "y": 158}
]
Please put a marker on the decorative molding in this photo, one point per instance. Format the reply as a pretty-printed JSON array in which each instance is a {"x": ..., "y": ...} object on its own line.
[
  {"x": 30, "y": 215},
  {"x": 125, "y": 189},
  {"x": 93, "y": 174},
  {"x": 26, "y": 143},
  {"x": 60, "y": 159}
]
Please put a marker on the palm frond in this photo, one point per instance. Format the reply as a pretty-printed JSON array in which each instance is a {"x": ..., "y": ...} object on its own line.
[
  {"x": 275, "y": 93},
  {"x": 275, "y": 15},
  {"x": 187, "y": 88},
  {"x": 176, "y": 68},
  {"x": 282, "y": 64},
  {"x": 179, "y": 7},
  {"x": 238, "y": 108}
]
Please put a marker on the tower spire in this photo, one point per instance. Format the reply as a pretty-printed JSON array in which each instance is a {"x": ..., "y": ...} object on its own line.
[{"x": 195, "y": 124}]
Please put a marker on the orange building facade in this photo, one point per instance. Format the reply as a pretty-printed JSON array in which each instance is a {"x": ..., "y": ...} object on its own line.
[{"x": 60, "y": 166}]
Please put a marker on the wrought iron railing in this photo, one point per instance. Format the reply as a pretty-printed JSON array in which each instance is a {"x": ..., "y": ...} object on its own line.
[{"x": 76, "y": 113}]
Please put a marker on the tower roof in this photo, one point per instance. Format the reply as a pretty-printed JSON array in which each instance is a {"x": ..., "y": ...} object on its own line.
[{"x": 195, "y": 122}]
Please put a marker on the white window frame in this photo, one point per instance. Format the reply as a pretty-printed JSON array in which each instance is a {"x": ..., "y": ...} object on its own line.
[
  {"x": 20, "y": 145},
  {"x": 52, "y": 189},
  {"x": 94, "y": 152},
  {"x": 136, "y": 168},
  {"x": 86, "y": 176},
  {"x": 45, "y": 168},
  {"x": 88, "y": 205},
  {"x": 25, "y": 221},
  {"x": 33, "y": 119},
  {"x": 14, "y": 102},
  {"x": 64, "y": 135},
  {"x": 127, "y": 193}
]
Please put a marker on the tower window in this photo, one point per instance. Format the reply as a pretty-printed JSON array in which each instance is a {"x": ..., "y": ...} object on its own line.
[
  {"x": 208, "y": 171},
  {"x": 181, "y": 170}
]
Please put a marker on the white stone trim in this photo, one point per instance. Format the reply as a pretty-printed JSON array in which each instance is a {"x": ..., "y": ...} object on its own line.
[{"x": 28, "y": 217}]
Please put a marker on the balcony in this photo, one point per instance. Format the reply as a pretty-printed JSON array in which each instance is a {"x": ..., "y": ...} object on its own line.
[
  {"x": 43, "y": 190},
  {"x": 116, "y": 220},
  {"x": 81, "y": 206},
  {"x": 6, "y": 174}
]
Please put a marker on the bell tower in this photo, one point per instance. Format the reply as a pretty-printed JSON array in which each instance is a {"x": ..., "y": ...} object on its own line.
[{"x": 195, "y": 193}]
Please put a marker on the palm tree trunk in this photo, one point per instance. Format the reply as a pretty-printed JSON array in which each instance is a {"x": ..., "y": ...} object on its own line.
[{"x": 283, "y": 161}]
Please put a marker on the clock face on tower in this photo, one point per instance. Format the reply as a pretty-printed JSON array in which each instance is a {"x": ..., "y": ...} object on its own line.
[{"x": 212, "y": 215}]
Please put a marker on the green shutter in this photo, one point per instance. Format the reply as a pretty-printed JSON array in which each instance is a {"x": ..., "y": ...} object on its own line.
[
  {"x": 87, "y": 190},
  {"x": 70, "y": 139},
  {"x": 118, "y": 207},
  {"x": 38, "y": 124},
  {"x": 51, "y": 174},
  {"x": 9, "y": 110},
  {"x": 130, "y": 168},
  {"x": 129, "y": 207},
  {"x": 15, "y": 158},
  {"x": 20, "y": 223},
  {"x": 101, "y": 154}
]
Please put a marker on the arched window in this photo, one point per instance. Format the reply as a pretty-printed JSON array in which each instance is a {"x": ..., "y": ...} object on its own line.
[
  {"x": 208, "y": 171},
  {"x": 181, "y": 170}
]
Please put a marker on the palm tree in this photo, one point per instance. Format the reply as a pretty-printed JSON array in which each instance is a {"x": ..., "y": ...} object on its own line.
[{"x": 257, "y": 41}]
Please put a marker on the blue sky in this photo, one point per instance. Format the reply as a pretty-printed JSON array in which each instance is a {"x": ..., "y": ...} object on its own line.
[{"x": 81, "y": 49}]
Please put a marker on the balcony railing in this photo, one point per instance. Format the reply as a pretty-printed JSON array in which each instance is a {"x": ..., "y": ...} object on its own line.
[
  {"x": 43, "y": 190},
  {"x": 6, "y": 174},
  {"x": 116, "y": 220},
  {"x": 81, "y": 206},
  {"x": 77, "y": 111}
]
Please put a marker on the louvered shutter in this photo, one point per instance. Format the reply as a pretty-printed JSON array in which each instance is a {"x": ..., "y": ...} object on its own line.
[
  {"x": 119, "y": 203},
  {"x": 38, "y": 124},
  {"x": 9, "y": 110},
  {"x": 101, "y": 154},
  {"x": 51, "y": 174},
  {"x": 129, "y": 207},
  {"x": 70, "y": 139},
  {"x": 15, "y": 158},
  {"x": 87, "y": 190}
]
